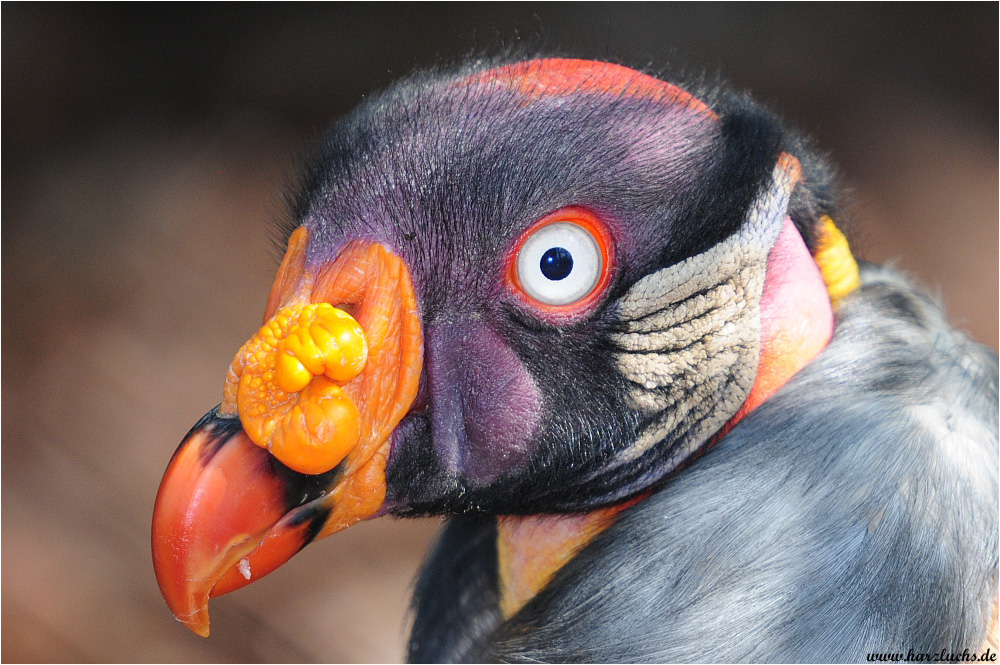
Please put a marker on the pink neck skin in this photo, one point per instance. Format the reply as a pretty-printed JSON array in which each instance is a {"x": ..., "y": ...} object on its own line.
[{"x": 796, "y": 320}]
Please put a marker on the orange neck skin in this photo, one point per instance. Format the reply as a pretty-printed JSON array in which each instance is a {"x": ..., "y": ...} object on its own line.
[{"x": 796, "y": 323}]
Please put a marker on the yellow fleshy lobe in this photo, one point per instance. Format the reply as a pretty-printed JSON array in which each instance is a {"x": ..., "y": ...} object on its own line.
[
  {"x": 288, "y": 379},
  {"x": 835, "y": 261}
]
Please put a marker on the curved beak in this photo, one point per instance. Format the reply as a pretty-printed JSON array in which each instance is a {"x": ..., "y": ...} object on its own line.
[{"x": 228, "y": 511}]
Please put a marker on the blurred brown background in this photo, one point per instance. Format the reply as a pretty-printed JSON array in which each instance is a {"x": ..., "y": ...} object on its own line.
[{"x": 144, "y": 149}]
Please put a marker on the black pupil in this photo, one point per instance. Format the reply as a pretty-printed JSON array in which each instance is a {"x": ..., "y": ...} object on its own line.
[{"x": 556, "y": 264}]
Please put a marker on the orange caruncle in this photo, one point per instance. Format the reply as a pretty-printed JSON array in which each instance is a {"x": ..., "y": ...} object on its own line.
[{"x": 288, "y": 391}]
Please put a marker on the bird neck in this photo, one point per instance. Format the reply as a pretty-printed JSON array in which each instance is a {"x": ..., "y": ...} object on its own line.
[
  {"x": 532, "y": 548},
  {"x": 796, "y": 321}
]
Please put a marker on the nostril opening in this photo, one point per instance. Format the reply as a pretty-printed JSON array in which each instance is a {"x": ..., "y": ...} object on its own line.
[
  {"x": 422, "y": 401},
  {"x": 350, "y": 308}
]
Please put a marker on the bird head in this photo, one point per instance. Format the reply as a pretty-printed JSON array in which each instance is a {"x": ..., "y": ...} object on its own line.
[{"x": 539, "y": 287}]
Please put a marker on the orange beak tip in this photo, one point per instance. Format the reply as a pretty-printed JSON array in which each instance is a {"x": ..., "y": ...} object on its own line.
[
  {"x": 218, "y": 515},
  {"x": 197, "y": 623}
]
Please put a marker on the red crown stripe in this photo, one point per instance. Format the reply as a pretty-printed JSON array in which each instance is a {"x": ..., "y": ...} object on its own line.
[{"x": 557, "y": 77}]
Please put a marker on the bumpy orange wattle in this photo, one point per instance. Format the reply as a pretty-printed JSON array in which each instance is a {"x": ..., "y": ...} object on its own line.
[
  {"x": 317, "y": 427},
  {"x": 289, "y": 377}
]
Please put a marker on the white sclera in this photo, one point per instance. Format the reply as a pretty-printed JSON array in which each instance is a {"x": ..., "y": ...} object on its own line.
[{"x": 586, "y": 264}]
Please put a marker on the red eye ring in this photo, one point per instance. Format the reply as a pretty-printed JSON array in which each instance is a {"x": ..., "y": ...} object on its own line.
[{"x": 603, "y": 240}]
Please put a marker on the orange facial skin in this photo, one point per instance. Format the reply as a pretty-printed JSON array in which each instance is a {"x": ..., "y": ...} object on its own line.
[{"x": 225, "y": 514}]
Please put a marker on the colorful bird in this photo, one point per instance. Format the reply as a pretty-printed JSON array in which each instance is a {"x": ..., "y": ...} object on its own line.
[{"x": 608, "y": 326}]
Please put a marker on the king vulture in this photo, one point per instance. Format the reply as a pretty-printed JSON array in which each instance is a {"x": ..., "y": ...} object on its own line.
[{"x": 607, "y": 325}]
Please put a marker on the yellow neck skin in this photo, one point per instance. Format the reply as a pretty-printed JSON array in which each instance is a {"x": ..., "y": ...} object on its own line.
[
  {"x": 531, "y": 549},
  {"x": 835, "y": 261}
]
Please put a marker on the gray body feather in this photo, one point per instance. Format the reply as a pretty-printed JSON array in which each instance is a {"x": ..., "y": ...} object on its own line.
[{"x": 855, "y": 511}]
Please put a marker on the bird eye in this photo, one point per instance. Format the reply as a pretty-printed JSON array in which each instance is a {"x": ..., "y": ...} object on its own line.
[{"x": 561, "y": 260}]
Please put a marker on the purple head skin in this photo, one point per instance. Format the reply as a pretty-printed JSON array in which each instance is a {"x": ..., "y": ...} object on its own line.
[
  {"x": 515, "y": 411},
  {"x": 486, "y": 404}
]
